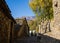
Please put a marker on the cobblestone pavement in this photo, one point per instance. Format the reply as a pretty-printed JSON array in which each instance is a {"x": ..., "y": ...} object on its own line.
[
  {"x": 32, "y": 39},
  {"x": 35, "y": 39}
]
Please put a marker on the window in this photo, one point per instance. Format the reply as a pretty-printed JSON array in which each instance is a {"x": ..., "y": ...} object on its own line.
[{"x": 56, "y": 4}]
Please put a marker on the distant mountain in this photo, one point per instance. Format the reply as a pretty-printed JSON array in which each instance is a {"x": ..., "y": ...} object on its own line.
[{"x": 30, "y": 17}]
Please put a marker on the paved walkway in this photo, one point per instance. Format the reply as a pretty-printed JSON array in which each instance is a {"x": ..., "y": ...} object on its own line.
[
  {"x": 35, "y": 39},
  {"x": 32, "y": 39}
]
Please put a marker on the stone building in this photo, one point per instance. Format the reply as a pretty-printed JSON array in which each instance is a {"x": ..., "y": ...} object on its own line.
[
  {"x": 55, "y": 22},
  {"x": 6, "y": 23},
  {"x": 56, "y": 9},
  {"x": 21, "y": 28}
]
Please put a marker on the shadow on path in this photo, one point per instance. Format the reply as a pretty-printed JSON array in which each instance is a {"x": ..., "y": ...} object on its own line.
[{"x": 34, "y": 39}]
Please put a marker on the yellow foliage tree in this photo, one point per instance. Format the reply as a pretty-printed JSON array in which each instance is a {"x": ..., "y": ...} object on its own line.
[{"x": 42, "y": 8}]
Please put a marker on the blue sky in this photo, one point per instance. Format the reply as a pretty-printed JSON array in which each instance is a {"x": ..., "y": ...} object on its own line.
[{"x": 20, "y": 8}]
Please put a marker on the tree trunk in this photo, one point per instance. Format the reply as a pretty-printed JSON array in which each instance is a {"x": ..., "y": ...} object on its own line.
[{"x": 49, "y": 26}]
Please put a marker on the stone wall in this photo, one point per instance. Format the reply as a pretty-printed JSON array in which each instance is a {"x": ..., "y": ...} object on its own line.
[
  {"x": 56, "y": 9},
  {"x": 5, "y": 28},
  {"x": 55, "y": 22}
]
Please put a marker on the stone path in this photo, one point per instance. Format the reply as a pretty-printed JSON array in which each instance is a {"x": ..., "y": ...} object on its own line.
[{"x": 34, "y": 39}]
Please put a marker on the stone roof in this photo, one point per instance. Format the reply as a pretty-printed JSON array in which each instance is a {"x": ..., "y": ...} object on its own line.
[{"x": 5, "y": 9}]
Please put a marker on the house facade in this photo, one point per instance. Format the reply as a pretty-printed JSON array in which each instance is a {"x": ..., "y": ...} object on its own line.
[
  {"x": 21, "y": 28},
  {"x": 6, "y": 23}
]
